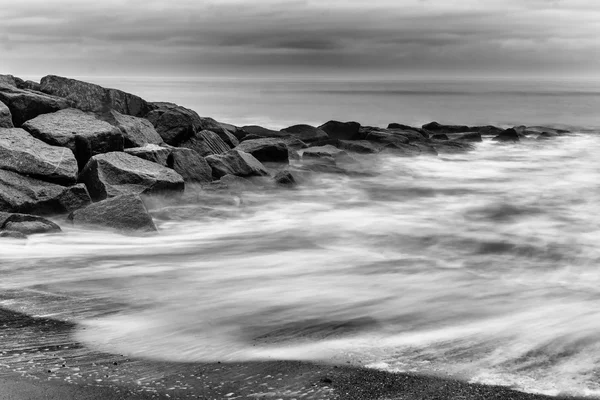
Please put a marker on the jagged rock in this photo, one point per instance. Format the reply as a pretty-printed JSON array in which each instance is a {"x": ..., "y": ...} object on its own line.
[
  {"x": 385, "y": 137},
  {"x": 27, "y": 104},
  {"x": 411, "y": 135},
  {"x": 360, "y": 146},
  {"x": 113, "y": 174},
  {"x": 327, "y": 154},
  {"x": 440, "y": 128},
  {"x": 284, "y": 178},
  {"x": 341, "y": 130},
  {"x": 20, "y": 152},
  {"x": 209, "y": 124},
  {"x": 8, "y": 80},
  {"x": 125, "y": 212},
  {"x": 233, "y": 182},
  {"x": 235, "y": 162},
  {"x": 395, "y": 125},
  {"x": 28, "y": 224},
  {"x": 425, "y": 148},
  {"x": 451, "y": 147},
  {"x": 30, "y": 85},
  {"x": 24, "y": 194},
  {"x": 465, "y": 137},
  {"x": 440, "y": 136},
  {"x": 403, "y": 149},
  {"x": 306, "y": 133},
  {"x": 266, "y": 150},
  {"x": 190, "y": 165},
  {"x": 83, "y": 133},
  {"x": 151, "y": 152},
  {"x": 90, "y": 97},
  {"x": 137, "y": 132},
  {"x": 507, "y": 135},
  {"x": 488, "y": 130},
  {"x": 173, "y": 123},
  {"x": 264, "y": 132},
  {"x": 239, "y": 133},
  {"x": 5, "y": 116},
  {"x": 205, "y": 143}
]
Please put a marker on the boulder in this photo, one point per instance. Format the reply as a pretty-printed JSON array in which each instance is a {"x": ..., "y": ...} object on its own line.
[
  {"x": 284, "y": 178},
  {"x": 266, "y": 150},
  {"x": 440, "y": 136},
  {"x": 326, "y": 154},
  {"x": 263, "y": 132},
  {"x": 190, "y": 165},
  {"x": 151, "y": 152},
  {"x": 27, "y": 104},
  {"x": 239, "y": 133},
  {"x": 235, "y": 162},
  {"x": 403, "y": 149},
  {"x": 360, "y": 146},
  {"x": 173, "y": 123},
  {"x": 113, "y": 174},
  {"x": 536, "y": 130},
  {"x": 209, "y": 124},
  {"x": 507, "y": 135},
  {"x": 341, "y": 130},
  {"x": 381, "y": 136},
  {"x": 8, "y": 80},
  {"x": 126, "y": 212},
  {"x": 306, "y": 133},
  {"x": 137, "y": 132},
  {"x": 451, "y": 147},
  {"x": 20, "y": 152},
  {"x": 24, "y": 194},
  {"x": 488, "y": 130},
  {"x": 5, "y": 116},
  {"x": 90, "y": 97},
  {"x": 465, "y": 137},
  {"x": 233, "y": 182},
  {"x": 395, "y": 125},
  {"x": 30, "y": 85},
  {"x": 439, "y": 128},
  {"x": 83, "y": 133},
  {"x": 412, "y": 136},
  {"x": 28, "y": 224},
  {"x": 12, "y": 235},
  {"x": 205, "y": 143}
]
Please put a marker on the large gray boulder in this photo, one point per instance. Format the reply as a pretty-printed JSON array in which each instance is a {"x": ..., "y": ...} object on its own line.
[
  {"x": 306, "y": 133},
  {"x": 8, "y": 80},
  {"x": 27, "y": 104},
  {"x": 266, "y": 150},
  {"x": 116, "y": 173},
  {"x": 23, "y": 194},
  {"x": 173, "y": 123},
  {"x": 20, "y": 152},
  {"x": 436, "y": 127},
  {"x": 190, "y": 165},
  {"x": 90, "y": 97},
  {"x": 205, "y": 143},
  {"x": 27, "y": 224},
  {"x": 126, "y": 212},
  {"x": 341, "y": 130},
  {"x": 5, "y": 116},
  {"x": 327, "y": 154},
  {"x": 261, "y": 132},
  {"x": 137, "y": 132},
  {"x": 360, "y": 146},
  {"x": 81, "y": 132},
  {"x": 507, "y": 135},
  {"x": 235, "y": 162},
  {"x": 151, "y": 152}
]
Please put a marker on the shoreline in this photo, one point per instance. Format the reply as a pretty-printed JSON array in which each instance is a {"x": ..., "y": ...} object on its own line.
[{"x": 41, "y": 360}]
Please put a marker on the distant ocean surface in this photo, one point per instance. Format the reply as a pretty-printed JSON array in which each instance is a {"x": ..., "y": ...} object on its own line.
[{"x": 277, "y": 103}]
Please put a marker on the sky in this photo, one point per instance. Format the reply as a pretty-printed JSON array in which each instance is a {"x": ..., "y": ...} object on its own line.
[{"x": 242, "y": 38}]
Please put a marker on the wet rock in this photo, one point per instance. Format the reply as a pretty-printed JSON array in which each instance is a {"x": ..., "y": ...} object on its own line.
[
  {"x": 536, "y": 130},
  {"x": 137, "y": 132},
  {"x": 360, "y": 146},
  {"x": 205, "y": 143},
  {"x": 440, "y": 136},
  {"x": 372, "y": 133},
  {"x": 173, "y": 123},
  {"x": 235, "y": 162},
  {"x": 488, "y": 130},
  {"x": 27, "y": 104},
  {"x": 395, "y": 125},
  {"x": 151, "y": 152},
  {"x": 439, "y": 128},
  {"x": 83, "y": 133},
  {"x": 403, "y": 149},
  {"x": 125, "y": 212},
  {"x": 12, "y": 235},
  {"x": 508, "y": 135},
  {"x": 306, "y": 133},
  {"x": 5, "y": 117},
  {"x": 326, "y": 155},
  {"x": 263, "y": 132},
  {"x": 451, "y": 147},
  {"x": 90, "y": 97},
  {"x": 545, "y": 136},
  {"x": 341, "y": 130},
  {"x": 284, "y": 178},
  {"x": 190, "y": 165},
  {"x": 113, "y": 174},
  {"x": 28, "y": 224},
  {"x": 465, "y": 137},
  {"x": 266, "y": 150},
  {"x": 24, "y": 194},
  {"x": 233, "y": 182},
  {"x": 385, "y": 137},
  {"x": 20, "y": 152}
]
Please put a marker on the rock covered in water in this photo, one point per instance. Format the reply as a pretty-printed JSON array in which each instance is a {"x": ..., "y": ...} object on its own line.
[
  {"x": 5, "y": 116},
  {"x": 266, "y": 150},
  {"x": 284, "y": 178},
  {"x": 12, "y": 235},
  {"x": 27, "y": 104},
  {"x": 341, "y": 130},
  {"x": 27, "y": 224},
  {"x": 20, "y": 152},
  {"x": 235, "y": 162},
  {"x": 507, "y": 135},
  {"x": 125, "y": 212},
  {"x": 137, "y": 132},
  {"x": 205, "y": 143},
  {"x": 113, "y": 174},
  {"x": 23, "y": 194},
  {"x": 452, "y": 147},
  {"x": 306, "y": 133},
  {"x": 360, "y": 146},
  {"x": 91, "y": 97},
  {"x": 465, "y": 137}
]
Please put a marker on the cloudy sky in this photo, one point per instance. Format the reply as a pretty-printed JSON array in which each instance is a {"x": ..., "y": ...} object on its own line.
[{"x": 301, "y": 37}]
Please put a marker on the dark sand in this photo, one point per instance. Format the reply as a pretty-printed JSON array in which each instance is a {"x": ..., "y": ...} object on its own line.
[{"x": 39, "y": 360}]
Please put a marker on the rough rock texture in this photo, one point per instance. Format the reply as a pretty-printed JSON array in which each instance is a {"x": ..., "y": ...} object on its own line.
[
  {"x": 205, "y": 143},
  {"x": 83, "y": 133},
  {"x": 440, "y": 128},
  {"x": 326, "y": 154},
  {"x": 190, "y": 165},
  {"x": 23, "y": 194},
  {"x": 508, "y": 135},
  {"x": 386, "y": 137},
  {"x": 341, "y": 130},
  {"x": 90, "y": 97},
  {"x": 137, "y": 132},
  {"x": 487, "y": 130},
  {"x": 30, "y": 85},
  {"x": 12, "y": 235},
  {"x": 266, "y": 150},
  {"x": 306, "y": 133},
  {"x": 20, "y": 152},
  {"x": 113, "y": 174},
  {"x": 151, "y": 152},
  {"x": 125, "y": 212},
  {"x": 5, "y": 116},
  {"x": 209, "y": 124},
  {"x": 235, "y": 162},
  {"x": 8, "y": 80},
  {"x": 238, "y": 132},
  {"x": 27, "y": 104},
  {"x": 263, "y": 132},
  {"x": 360, "y": 146},
  {"x": 440, "y": 136},
  {"x": 284, "y": 178},
  {"x": 173, "y": 123},
  {"x": 234, "y": 183},
  {"x": 28, "y": 224}
]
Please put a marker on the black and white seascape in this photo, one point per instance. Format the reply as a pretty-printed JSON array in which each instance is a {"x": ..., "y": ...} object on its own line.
[{"x": 316, "y": 200}]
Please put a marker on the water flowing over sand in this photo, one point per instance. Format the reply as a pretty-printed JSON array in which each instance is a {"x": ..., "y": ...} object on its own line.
[{"x": 483, "y": 266}]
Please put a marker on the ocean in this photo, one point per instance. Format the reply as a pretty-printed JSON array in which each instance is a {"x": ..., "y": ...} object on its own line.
[{"x": 481, "y": 266}]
